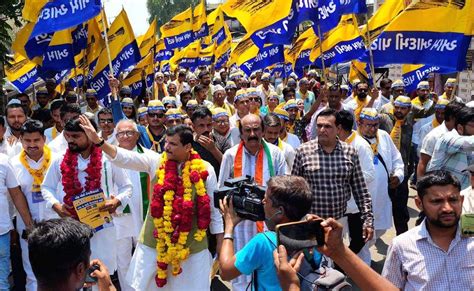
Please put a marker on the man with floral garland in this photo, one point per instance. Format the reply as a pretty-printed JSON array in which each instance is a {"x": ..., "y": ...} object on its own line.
[
  {"x": 172, "y": 250},
  {"x": 83, "y": 168}
]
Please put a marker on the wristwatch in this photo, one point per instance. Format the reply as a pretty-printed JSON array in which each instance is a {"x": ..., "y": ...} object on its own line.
[
  {"x": 228, "y": 236},
  {"x": 100, "y": 143}
]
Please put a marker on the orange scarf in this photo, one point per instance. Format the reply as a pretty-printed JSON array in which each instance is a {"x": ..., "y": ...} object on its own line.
[{"x": 238, "y": 171}]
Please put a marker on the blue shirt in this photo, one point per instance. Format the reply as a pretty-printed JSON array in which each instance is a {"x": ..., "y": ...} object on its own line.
[{"x": 257, "y": 255}]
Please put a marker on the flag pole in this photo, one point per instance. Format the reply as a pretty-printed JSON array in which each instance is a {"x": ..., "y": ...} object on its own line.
[
  {"x": 321, "y": 52},
  {"x": 371, "y": 56},
  {"x": 106, "y": 39}
]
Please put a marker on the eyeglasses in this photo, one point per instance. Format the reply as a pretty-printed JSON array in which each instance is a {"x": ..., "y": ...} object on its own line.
[
  {"x": 221, "y": 122},
  {"x": 254, "y": 99},
  {"x": 128, "y": 133},
  {"x": 156, "y": 115},
  {"x": 103, "y": 120},
  {"x": 363, "y": 90}
]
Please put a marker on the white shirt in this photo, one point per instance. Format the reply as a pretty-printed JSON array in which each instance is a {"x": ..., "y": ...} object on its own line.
[
  {"x": 48, "y": 132},
  {"x": 381, "y": 101},
  {"x": 289, "y": 154},
  {"x": 148, "y": 163},
  {"x": 468, "y": 204},
  {"x": 4, "y": 147},
  {"x": 366, "y": 159},
  {"x": 114, "y": 181},
  {"x": 292, "y": 140},
  {"x": 415, "y": 138},
  {"x": 59, "y": 144},
  {"x": 7, "y": 181},
  {"x": 415, "y": 262},
  {"x": 429, "y": 141},
  {"x": 381, "y": 203}
]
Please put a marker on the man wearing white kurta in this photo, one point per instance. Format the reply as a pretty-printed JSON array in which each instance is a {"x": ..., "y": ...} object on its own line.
[
  {"x": 345, "y": 122},
  {"x": 130, "y": 222},
  {"x": 196, "y": 268},
  {"x": 251, "y": 133},
  {"x": 392, "y": 166},
  {"x": 114, "y": 181}
]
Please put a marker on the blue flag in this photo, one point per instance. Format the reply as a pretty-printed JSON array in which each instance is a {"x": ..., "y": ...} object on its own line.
[
  {"x": 414, "y": 74},
  {"x": 62, "y": 14},
  {"x": 330, "y": 12},
  {"x": 266, "y": 56}
]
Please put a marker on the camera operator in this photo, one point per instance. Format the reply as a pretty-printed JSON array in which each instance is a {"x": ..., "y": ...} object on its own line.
[
  {"x": 360, "y": 273},
  {"x": 287, "y": 199},
  {"x": 59, "y": 251}
]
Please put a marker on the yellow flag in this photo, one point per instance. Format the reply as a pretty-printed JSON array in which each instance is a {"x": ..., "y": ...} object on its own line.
[
  {"x": 21, "y": 72},
  {"x": 148, "y": 39},
  {"x": 32, "y": 9},
  {"x": 382, "y": 17},
  {"x": 200, "y": 27},
  {"x": 146, "y": 64},
  {"x": 178, "y": 32},
  {"x": 300, "y": 51},
  {"x": 21, "y": 39},
  {"x": 256, "y": 15},
  {"x": 358, "y": 71}
]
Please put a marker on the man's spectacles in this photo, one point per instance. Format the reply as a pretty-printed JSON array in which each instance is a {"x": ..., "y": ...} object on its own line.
[
  {"x": 156, "y": 115},
  {"x": 128, "y": 133},
  {"x": 222, "y": 122},
  {"x": 254, "y": 99},
  {"x": 103, "y": 120}
]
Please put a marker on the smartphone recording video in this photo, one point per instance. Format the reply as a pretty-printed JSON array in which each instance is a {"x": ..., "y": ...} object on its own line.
[{"x": 299, "y": 235}]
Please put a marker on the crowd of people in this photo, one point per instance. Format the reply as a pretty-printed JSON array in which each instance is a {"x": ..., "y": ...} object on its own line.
[{"x": 346, "y": 154}]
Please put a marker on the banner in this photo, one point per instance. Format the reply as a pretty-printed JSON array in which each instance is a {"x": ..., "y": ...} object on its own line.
[
  {"x": 200, "y": 28},
  {"x": 21, "y": 72},
  {"x": 331, "y": 11},
  {"x": 134, "y": 78},
  {"x": 343, "y": 43},
  {"x": 123, "y": 52},
  {"x": 178, "y": 32},
  {"x": 148, "y": 40},
  {"x": 162, "y": 53},
  {"x": 59, "y": 54},
  {"x": 432, "y": 33},
  {"x": 79, "y": 38},
  {"x": 272, "y": 21},
  {"x": 62, "y": 14},
  {"x": 414, "y": 74}
]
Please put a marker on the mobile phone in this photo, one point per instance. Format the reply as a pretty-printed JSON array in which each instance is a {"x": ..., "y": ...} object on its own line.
[
  {"x": 89, "y": 278},
  {"x": 300, "y": 235}
]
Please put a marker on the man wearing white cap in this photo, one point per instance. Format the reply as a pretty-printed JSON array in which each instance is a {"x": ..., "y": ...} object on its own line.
[
  {"x": 218, "y": 98},
  {"x": 305, "y": 94},
  {"x": 160, "y": 90},
  {"x": 265, "y": 88},
  {"x": 242, "y": 107}
]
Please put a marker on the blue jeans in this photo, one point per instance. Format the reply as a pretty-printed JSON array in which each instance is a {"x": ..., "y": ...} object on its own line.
[{"x": 4, "y": 261}]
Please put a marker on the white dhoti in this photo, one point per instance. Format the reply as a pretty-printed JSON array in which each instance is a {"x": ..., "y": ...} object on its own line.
[
  {"x": 103, "y": 248},
  {"x": 195, "y": 274}
]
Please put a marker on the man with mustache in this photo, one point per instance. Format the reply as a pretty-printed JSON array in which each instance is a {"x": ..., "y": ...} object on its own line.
[
  {"x": 255, "y": 158},
  {"x": 75, "y": 167},
  {"x": 433, "y": 255},
  {"x": 15, "y": 116}
]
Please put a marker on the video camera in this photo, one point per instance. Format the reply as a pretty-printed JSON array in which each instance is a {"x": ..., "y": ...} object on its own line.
[{"x": 246, "y": 197}]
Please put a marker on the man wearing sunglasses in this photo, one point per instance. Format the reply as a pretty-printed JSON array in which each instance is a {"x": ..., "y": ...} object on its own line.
[
  {"x": 156, "y": 125},
  {"x": 106, "y": 125}
]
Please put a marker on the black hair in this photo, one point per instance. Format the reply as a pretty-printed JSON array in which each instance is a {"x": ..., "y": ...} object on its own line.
[
  {"x": 31, "y": 126},
  {"x": 327, "y": 112},
  {"x": 452, "y": 108},
  {"x": 202, "y": 74},
  {"x": 292, "y": 193},
  {"x": 360, "y": 83},
  {"x": 104, "y": 110},
  {"x": 2, "y": 121},
  {"x": 464, "y": 116},
  {"x": 185, "y": 133},
  {"x": 57, "y": 104},
  {"x": 56, "y": 247},
  {"x": 287, "y": 90},
  {"x": 42, "y": 114},
  {"x": 198, "y": 88},
  {"x": 201, "y": 112},
  {"x": 335, "y": 87},
  {"x": 74, "y": 125},
  {"x": 185, "y": 92},
  {"x": 384, "y": 82},
  {"x": 271, "y": 120},
  {"x": 345, "y": 119},
  {"x": 436, "y": 178},
  {"x": 13, "y": 106},
  {"x": 21, "y": 94},
  {"x": 69, "y": 108}
]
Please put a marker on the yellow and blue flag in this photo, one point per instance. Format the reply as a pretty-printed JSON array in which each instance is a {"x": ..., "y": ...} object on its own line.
[
  {"x": 124, "y": 53},
  {"x": 426, "y": 33},
  {"x": 343, "y": 43},
  {"x": 272, "y": 21},
  {"x": 218, "y": 28},
  {"x": 21, "y": 72},
  {"x": 299, "y": 53},
  {"x": 414, "y": 74},
  {"x": 95, "y": 45},
  {"x": 222, "y": 53},
  {"x": 134, "y": 78},
  {"x": 32, "y": 9},
  {"x": 178, "y": 32},
  {"x": 200, "y": 28},
  {"x": 359, "y": 71},
  {"x": 63, "y": 14},
  {"x": 382, "y": 17},
  {"x": 162, "y": 53},
  {"x": 190, "y": 55},
  {"x": 330, "y": 12},
  {"x": 206, "y": 56},
  {"x": 148, "y": 40}
]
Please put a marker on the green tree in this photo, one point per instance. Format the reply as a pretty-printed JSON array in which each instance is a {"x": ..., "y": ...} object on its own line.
[
  {"x": 164, "y": 10},
  {"x": 10, "y": 16}
]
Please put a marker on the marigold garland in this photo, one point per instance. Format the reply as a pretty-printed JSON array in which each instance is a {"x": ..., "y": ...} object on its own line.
[
  {"x": 172, "y": 211},
  {"x": 70, "y": 180},
  {"x": 37, "y": 174}
]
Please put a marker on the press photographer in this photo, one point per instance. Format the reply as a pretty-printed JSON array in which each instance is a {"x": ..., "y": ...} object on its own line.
[{"x": 287, "y": 199}]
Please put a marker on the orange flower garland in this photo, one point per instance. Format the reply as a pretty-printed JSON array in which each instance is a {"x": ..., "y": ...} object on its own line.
[{"x": 172, "y": 209}]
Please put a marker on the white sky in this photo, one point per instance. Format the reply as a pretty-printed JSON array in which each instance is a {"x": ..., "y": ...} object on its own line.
[{"x": 136, "y": 11}]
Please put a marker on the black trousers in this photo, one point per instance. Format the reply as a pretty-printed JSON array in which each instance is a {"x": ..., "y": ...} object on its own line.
[
  {"x": 354, "y": 223},
  {"x": 399, "y": 197}
]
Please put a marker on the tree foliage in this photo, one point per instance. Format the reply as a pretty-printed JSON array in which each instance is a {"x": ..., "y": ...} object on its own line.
[
  {"x": 164, "y": 10},
  {"x": 10, "y": 16}
]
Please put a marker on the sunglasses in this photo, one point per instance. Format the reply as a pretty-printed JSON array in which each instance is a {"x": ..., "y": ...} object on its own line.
[
  {"x": 156, "y": 115},
  {"x": 103, "y": 120}
]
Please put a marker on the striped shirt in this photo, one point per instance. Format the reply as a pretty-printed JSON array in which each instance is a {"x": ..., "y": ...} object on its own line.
[
  {"x": 415, "y": 262},
  {"x": 333, "y": 177}
]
